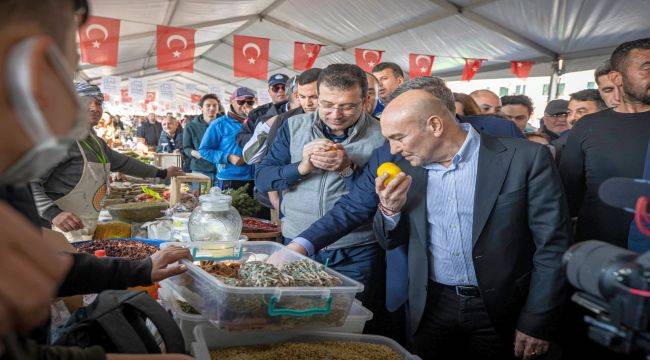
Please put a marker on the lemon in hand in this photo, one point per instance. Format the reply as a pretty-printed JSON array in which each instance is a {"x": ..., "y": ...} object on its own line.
[{"x": 388, "y": 168}]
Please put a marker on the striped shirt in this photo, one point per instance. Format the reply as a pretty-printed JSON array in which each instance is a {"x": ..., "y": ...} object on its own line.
[{"x": 450, "y": 212}]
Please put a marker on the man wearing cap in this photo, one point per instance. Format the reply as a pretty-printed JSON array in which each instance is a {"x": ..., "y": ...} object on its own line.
[
  {"x": 554, "y": 122},
  {"x": 69, "y": 197},
  {"x": 219, "y": 145},
  {"x": 278, "y": 105}
]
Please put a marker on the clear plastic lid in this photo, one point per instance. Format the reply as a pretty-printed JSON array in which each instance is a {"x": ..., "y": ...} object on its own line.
[{"x": 215, "y": 200}]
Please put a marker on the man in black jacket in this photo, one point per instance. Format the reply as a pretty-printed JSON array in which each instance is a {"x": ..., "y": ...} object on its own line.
[
  {"x": 467, "y": 204},
  {"x": 278, "y": 105},
  {"x": 171, "y": 138}
]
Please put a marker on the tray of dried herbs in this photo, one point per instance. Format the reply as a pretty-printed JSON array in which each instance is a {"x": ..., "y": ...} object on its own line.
[{"x": 253, "y": 295}]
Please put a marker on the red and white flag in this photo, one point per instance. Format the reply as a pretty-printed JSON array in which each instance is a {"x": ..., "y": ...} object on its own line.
[
  {"x": 367, "y": 59},
  {"x": 151, "y": 97},
  {"x": 98, "y": 41},
  {"x": 195, "y": 98},
  {"x": 420, "y": 65},
  {"x": 472, "y": 66},
  {"x": 175, "y": 48},
  {"x": 124, "y": 96},
  {"x": 304, "y": 55},
  {"x": 521, "y": 68},
  {"x": 251, "y": 57}
]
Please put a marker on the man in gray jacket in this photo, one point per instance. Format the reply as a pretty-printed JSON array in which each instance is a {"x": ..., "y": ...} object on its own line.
[
  {"x": 69, "y": 196},
  {"x": 312, "y": 162}
]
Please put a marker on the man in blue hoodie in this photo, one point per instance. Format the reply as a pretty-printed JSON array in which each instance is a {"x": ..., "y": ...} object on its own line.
[{"x": 219, "y": 145}]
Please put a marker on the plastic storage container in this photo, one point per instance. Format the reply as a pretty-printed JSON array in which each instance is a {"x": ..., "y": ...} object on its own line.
[
  {"x": 354, "y": 323},
  {"x": 208, "y": 339},
  {"x": 186, "y": 322},
  {"x": 265, "y": 308}
]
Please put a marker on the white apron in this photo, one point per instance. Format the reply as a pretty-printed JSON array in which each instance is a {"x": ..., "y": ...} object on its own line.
[{"x": 85, "y": 200}]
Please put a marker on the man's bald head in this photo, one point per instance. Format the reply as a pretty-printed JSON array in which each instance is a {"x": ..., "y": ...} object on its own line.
[
  {"x": 489, "y": 102},
  {"x": 416, "y": 105},
  {"x": 419, "y": 126}
]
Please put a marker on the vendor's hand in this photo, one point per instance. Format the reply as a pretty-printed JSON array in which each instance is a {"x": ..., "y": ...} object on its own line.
[
  {"x": 174, "y": 171},
  {"x": 529, "y": 347},
  {"x": 162, "y": 262},
  {"x": 334, "y": 159},
  {"x": 30, "y": 272},
  {"x": 195, "y": 154},
  {"x": 236, "y": 160},
  {"x": 67, "y": 222},
  {"x": 306, "y": 166},
  {"x": 117, "y": 177},
  {"x": 393, "y": 196}
]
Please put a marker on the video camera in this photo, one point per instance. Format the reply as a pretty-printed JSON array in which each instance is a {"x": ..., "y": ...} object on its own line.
[{"x": 614, "y": 283}]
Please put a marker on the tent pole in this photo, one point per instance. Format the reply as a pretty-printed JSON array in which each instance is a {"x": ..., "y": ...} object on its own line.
[{"x": 557, "y": 68}]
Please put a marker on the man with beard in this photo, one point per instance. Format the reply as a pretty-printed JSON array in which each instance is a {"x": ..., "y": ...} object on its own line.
[
  {"x": 69, "y": 197},
  {"x": 610, "y": 143}
]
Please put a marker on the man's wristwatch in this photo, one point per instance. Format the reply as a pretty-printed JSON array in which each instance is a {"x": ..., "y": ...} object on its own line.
[{"x": 347, "y": 171}]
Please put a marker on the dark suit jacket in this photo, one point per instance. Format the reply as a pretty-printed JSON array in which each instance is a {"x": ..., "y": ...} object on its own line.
[{"x": 520, "y": 230}]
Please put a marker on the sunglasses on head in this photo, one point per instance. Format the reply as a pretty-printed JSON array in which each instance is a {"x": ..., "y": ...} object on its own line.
[
  {"x": 278, "y": 87},
  {"x": 243, "y": 102}
]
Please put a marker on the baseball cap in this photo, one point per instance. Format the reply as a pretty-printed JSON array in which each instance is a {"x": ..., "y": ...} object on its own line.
[
  {"x": 557, "y": 106},
  {"x": 242, "y": 93},
  {"x": 278, "y": 79}
]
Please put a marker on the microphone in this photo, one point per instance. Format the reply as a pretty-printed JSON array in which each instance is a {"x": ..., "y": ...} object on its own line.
[{"x": 623, "y": 193}]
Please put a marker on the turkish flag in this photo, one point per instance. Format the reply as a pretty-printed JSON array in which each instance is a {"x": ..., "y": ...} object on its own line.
[
  {"x": 107, "y": 97},
  {"x": 144, "y": 107},
  {"x": 175, "y": 48},
  {"x": 98, "y": 41},
  {"x": 251, "y": 57},
  {"x": 304, "y": 55},
  {"x": 367, "y": 59},
  {"x": 420, "y": 65},
  {"x": 195, "y": 98},
  {"x": 471, "y": 68},
  {"x": 521, "y": 68},
  {"x": 124, "y": 96},
  {"x": 151, "y": 97}
]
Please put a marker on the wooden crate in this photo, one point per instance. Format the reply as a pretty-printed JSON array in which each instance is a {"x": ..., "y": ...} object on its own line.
[
  {"x": 165, "y": 160},
  {"x": 178, "y": 181}
]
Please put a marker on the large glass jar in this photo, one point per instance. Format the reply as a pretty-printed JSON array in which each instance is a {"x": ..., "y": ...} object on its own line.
[{"x": 215, "y": 219}]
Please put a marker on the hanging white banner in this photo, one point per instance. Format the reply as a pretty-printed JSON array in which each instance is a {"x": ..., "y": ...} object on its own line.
[
  {"x": 263, "y": 97},
  {"x": 190, "y": 88},
  {"x": 137, "y": 89},
  {"x": 214, "y": 89},
  {"x": 111, "y": 85},
  {"x": 166, "y": 91}
]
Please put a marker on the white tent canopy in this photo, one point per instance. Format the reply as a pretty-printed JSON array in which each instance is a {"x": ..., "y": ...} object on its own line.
[{"x": 581, "y": 32}]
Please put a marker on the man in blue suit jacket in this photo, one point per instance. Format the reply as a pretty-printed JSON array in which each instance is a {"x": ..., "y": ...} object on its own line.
[{"x": 359, "y": 206}]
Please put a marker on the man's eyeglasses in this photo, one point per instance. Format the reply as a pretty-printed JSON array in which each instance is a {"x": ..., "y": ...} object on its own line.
[
  {"x": 245, "y": 102},
  {"x": 328, "y": 107},
  {"x": 278, "y": 87}
]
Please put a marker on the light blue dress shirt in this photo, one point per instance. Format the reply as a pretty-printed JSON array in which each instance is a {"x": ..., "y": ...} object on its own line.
[{"x": 450, "y": 213}]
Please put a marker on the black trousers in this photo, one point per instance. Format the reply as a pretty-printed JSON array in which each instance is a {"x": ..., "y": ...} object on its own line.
[{"x": 457, "y": 327}]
